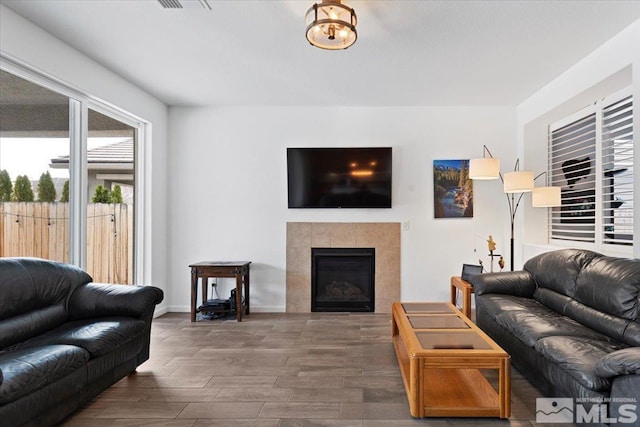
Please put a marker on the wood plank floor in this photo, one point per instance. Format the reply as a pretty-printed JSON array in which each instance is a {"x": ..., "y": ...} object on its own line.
[{"x": 270, "y": 370}]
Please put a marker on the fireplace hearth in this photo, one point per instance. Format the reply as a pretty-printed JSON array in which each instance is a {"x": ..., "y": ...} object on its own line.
[{"x": 342, "y": 279}]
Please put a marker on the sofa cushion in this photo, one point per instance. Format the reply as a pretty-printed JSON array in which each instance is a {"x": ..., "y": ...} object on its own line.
[
  {"x": 611, "y": 285},
  {"x": 47, "y": 405},
  {"x": 622, "y": 362},
  {"x": 553, "y": 300},
  {"x": 605, "y": 294},
  {"x": 110, "y": 364},
  {"x": 28, "y": 284},
  {"x": 26, "y": 325},
  {"x": 27, "y": 370},
  {"x": 558, "y": 270},
  {"x": 33, "y": 296},
  {"x": 98, "y": 336},
  {"x": 540, "y": 322},
  {"x": 578, "y": 358},
  {"x": 494, "y": 304},
  {"x": 619, "y": 329},
  {"x": 631, "y": 334}
]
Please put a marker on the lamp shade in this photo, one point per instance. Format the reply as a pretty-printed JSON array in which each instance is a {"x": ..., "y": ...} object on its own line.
[
  {"x": 546, "y": 197},
  {"x": 484, "y": 168},
  {"x": 518, "y": 182},
  {"x": 331, "y": 25}
]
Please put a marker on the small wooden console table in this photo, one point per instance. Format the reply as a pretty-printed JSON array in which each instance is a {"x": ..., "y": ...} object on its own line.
[
  {"x": 206, "y": 269},
  {"x": 466, "y": 289}
]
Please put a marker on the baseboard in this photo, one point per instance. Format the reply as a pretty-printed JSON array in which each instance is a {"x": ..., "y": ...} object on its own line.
[
  {"x": 268, "y": 309},
  {"x": 160, "y": 311},
  {"x": 179, "y": 309},
  {"x": 254, "y": 309}
]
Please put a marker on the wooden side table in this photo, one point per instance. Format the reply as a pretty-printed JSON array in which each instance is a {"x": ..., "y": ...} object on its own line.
[
  {"x": 466, "y": 289},
  {"x": 206, "y": 269}
]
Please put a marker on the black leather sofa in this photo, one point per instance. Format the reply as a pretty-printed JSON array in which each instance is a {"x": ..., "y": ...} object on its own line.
[
  {"x": 63, "y": 339},
  {"x": 570, "y": 321}
]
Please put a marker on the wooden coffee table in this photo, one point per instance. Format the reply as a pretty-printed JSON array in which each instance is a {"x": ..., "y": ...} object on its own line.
[{"x": 443, "y": 357}]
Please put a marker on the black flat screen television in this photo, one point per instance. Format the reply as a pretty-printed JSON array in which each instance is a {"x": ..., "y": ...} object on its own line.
[{"x": 339, "y": 177}]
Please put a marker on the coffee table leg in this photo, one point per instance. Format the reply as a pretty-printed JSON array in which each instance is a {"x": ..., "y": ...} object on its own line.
[
  {"x": 454, "y": 291},
  {"x": 467, "y": 302},
  {"x": 505, "y": 388}
]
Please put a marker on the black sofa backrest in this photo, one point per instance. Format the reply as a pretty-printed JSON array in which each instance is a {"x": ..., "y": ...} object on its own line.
[
  {"x": 558, "y": 270},
  {"x": 598, "y": 291},
  {"x": 34, "y": 295},
  {"x": 620, "y": 277}
]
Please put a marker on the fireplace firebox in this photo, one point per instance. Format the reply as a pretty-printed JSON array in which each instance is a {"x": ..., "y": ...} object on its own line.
[{"x": 342, "y": 279}]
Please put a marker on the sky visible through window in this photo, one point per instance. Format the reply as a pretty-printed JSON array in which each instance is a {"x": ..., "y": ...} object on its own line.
[{"x": 32, "y": 156}]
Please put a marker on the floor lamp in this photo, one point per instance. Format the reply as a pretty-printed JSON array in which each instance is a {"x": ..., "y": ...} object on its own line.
[{"x": 515, "y": 185}]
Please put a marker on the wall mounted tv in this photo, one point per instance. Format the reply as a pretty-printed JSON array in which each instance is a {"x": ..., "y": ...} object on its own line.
[{"x": 339, "y": 177}]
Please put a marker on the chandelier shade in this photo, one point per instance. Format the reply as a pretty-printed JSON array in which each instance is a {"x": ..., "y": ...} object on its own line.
[
  {"x": 546, "y": 197},
  {"x": 518, "y": 182},
  {"x": 484, "y": 168},
  {"x": 331, "y": 25}
]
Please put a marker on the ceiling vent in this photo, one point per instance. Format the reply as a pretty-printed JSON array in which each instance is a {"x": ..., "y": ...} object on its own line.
[{"x": 184, "y": 4}]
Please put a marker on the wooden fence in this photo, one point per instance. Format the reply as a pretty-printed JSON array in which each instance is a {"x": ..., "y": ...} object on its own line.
[{"x": 41, "y": 230}]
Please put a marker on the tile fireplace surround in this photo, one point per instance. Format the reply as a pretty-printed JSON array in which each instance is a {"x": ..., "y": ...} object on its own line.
[{"x": 302, "y": 236}]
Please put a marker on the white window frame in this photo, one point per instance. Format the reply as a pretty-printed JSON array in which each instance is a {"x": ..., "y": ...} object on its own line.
[{"x": 79, "y": 105}]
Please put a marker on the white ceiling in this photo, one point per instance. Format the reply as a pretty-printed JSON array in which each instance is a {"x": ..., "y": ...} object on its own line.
[{"x": 409, "y": 52}]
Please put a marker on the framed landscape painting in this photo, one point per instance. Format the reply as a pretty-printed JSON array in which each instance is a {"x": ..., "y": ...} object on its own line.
[{"x": 452, "y": 189}]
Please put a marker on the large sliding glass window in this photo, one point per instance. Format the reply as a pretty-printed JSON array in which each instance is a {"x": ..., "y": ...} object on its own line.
[
  {"x": 34, "y": 128},
  {"x": 110, "y": 208},
  {"x": 67, "y": 182}
]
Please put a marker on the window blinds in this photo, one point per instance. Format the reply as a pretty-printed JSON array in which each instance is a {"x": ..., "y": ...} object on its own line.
[
  {"x": 591, "y": 159},
  {"x": 572, "y": 167},
  {"x": 617, "y": 166}
]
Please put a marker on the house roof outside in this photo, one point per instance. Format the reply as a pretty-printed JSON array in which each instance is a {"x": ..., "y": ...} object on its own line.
[{"x": 119, "y": 155}]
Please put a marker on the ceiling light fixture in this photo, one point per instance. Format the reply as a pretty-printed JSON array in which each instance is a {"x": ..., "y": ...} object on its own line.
[
  {"x": 331, "y": 25},
  {"x": 184, "y": 4}
]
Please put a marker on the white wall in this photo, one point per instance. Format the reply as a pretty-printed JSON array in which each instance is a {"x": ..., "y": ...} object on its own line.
[
  {"x": 218, "y": 190},
  {"x": 27, "y": 43},
  {"x": 228, "y": 194},
  {"x": 223, "y": 195},
  {"x": 611, "y": 67}
]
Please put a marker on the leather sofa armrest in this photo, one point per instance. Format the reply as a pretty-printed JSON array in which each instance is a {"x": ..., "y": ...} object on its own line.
[
  {"x": 518, "y": 283},
  {"x": 621, "y": 362},
  {"x": 623, "y": 403},
  {"x": 97, "y": 300}
]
